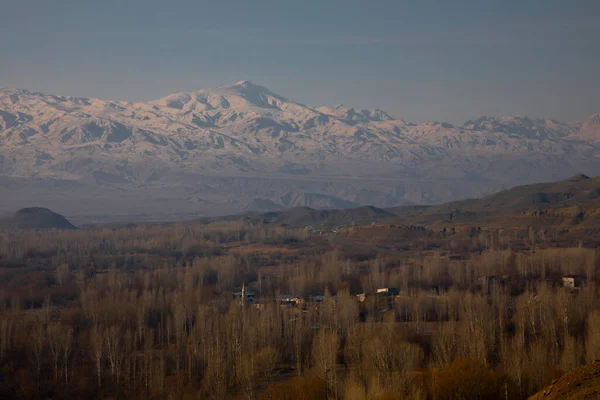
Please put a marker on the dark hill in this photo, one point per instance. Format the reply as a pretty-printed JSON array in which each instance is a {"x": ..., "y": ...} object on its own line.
[
  {"x": 579, "y": 194},
  {"x": 35, "y": 218}
]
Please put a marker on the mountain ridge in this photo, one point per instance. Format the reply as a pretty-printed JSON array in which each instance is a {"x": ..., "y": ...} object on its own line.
[
  {"x": 194, "y": 144},
  {"x": 245, "y": 84},
  {"x": 572, "y": 202}
]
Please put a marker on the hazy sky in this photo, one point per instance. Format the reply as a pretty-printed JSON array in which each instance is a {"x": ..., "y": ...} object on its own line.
[{"x": 418, "y": 60}]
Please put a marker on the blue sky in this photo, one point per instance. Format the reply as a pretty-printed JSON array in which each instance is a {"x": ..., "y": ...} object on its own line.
[{"x": 418, "y": 60}]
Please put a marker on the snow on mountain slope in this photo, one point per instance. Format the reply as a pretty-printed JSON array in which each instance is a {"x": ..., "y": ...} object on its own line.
[
  {"x": 246, "y": 130},
  {"x": 518, "y": 126},
  {"x": 350, "y": 115},
  {"x": 590, "y": 128}
]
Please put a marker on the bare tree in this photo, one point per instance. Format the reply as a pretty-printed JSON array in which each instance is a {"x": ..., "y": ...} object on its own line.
[
  {"x": 6, "y": 332},
  {"x": 97, "y": 344},
  {"x": 592, "y": 336},
  {"x": 324, "y": 359},
  {"x": 37, "y": 344},
  {"x": 62, "y": 273},
  {"x": 53, "y": 336},
  {"x": 114, "y": 346}
]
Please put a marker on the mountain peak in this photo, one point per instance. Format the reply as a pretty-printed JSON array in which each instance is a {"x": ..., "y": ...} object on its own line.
[
  {"x": 590, "y": 128},
  {"x": 594, "y": 120},
  {"x": 245, "y": 85},
  {"x": 257, "y": 94}
]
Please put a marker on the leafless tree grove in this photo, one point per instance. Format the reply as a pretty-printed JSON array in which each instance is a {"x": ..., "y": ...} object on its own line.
[{"x": 149, "y": 313}]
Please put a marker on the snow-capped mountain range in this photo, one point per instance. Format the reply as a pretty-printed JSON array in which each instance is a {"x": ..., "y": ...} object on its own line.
[{"x": 220, "y": 149}]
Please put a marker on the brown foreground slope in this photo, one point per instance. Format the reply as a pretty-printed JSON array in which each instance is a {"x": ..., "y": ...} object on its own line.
[{"x": 578, "y": 384}]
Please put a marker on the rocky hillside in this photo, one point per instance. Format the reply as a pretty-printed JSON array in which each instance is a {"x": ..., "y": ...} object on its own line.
[{"x": 219, "y": 150}]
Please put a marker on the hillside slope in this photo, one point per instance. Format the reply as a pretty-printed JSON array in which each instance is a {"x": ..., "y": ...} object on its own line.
[
  {"x": 581, "y": 383},
  {"x": 575, "y": 200}
]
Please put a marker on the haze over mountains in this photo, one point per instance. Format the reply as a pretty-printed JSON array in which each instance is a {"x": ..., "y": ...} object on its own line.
[
  {"x": 569, "y": 203},
  {"x": 242, "y": 147}
]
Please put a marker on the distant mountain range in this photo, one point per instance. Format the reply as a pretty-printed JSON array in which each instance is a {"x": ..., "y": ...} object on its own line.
[
  {"x": 569, "y": 203},
  {"x": 243, "y": 147}
]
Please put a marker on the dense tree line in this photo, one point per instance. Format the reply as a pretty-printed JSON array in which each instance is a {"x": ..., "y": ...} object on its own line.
[{"x": 149, "y": 313}]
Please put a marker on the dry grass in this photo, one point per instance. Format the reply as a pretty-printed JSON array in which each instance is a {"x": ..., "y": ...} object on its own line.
[{"x": 578, "y": 384}]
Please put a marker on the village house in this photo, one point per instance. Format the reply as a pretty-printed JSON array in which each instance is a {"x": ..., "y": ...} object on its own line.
[
  {"x": 387, "y": 297},
  {"x": 387, "y": 291},
  {"x": 573, "y": 281},
  {"x": 290, "y": 300}
]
